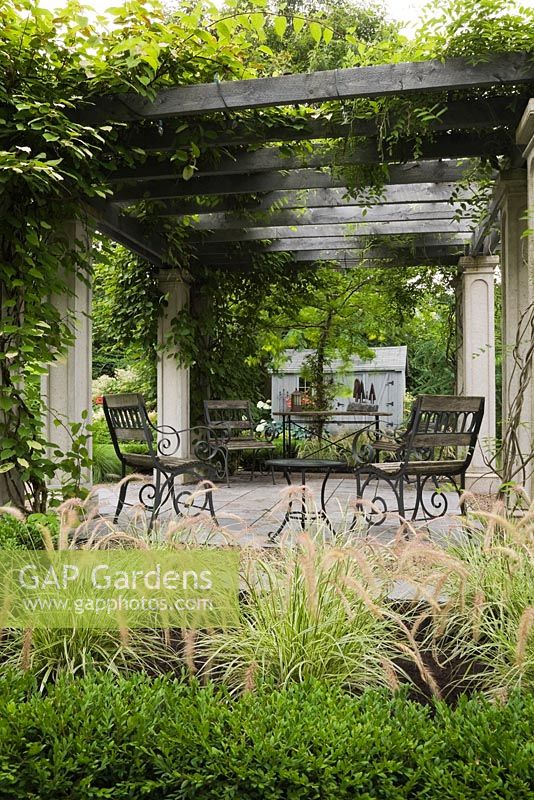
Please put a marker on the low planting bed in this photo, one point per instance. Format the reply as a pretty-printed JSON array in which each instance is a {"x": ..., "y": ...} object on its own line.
[{"x": 158, "y": 738}]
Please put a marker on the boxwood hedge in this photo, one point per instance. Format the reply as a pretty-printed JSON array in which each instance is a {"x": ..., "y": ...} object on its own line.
[{"x": 108, "y": 737}]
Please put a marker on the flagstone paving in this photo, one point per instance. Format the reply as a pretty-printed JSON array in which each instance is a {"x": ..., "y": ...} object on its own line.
[{"x": 248, "y": 511}]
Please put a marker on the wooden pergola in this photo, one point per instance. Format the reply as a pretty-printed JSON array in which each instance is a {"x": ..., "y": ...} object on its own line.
[{"x": 257, "y": 199}]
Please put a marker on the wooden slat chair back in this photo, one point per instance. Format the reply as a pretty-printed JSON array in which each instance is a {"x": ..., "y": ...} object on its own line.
[
  {"x": 446, "y": 428},
  {"x": 128, "y": 422},
  {"x": 445, "y": 423},
  {"x": 234, "y": 420}
]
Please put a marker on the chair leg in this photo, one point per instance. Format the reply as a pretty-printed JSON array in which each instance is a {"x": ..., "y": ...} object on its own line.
[
  {"x": 157, "y": 500},
  {"x": 400, "y": 497},
  {"x": 122, "y": 497},
  {"x": 226, "y": 467}
]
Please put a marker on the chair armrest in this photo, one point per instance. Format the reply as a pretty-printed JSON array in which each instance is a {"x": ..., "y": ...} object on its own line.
[{"x": 205, "y": 442}]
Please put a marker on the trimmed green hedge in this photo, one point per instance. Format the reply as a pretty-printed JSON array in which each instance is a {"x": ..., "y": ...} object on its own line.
[
  {"x": 26, "y": 534},
  {"x": 108, "y": 737}
]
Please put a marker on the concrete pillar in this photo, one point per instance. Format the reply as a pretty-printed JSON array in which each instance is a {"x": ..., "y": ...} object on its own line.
[
  {"x": 511, "y": 196},
  {"x": 173, "y": 379},
  {"x": 66, "y": 387},
  {"x": 477, "y": 358},
  {"x": 525, "y": 139}
]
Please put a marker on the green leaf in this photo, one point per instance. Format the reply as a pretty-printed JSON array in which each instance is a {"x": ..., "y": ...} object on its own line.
[
  {"x": 298, "y": 24},
  {"x": 6, "y": 467},
  {"x": 328, "y": 33},
  {"x": 280, "y": 25},
  {"x": 188, "y": 172},
  {"x": 316, "y": 31},
  {"x": 258, "y": 20}
]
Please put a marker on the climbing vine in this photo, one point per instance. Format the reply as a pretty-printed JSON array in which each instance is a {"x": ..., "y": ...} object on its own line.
[{"x": 59, "y": 151}]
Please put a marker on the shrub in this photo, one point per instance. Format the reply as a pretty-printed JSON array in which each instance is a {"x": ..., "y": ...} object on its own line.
[
  {"x": 135, "y": 378},
  {"x": 17, "y": 533},
  {"x": 156, "y": 739}
]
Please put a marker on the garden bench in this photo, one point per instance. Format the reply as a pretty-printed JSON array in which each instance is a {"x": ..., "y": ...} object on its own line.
[
  {"x": 445, "y": 428},
  {"x": 128, "y": 421},
  {"x": 235, "y": 430}
]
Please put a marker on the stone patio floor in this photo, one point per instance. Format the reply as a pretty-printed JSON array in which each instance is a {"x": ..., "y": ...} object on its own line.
[{"x": 248, "y": 510}]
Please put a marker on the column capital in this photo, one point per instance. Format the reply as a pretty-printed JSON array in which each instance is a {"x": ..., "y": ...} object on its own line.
[
  {"x": 510, "y": 183},
  {"x": 170, "y": 277},
  {"x": 525, "y": 130},
  {"x": 478, "y": 263}
]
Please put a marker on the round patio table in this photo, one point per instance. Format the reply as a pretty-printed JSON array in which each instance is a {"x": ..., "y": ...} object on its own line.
[{"x": 303, "y": 465}]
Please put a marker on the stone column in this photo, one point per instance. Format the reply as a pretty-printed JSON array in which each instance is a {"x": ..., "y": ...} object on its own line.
[
  {"x": 511, "y": 195},
  {"x": 173, "y": 379},
  {"x": 477, "y": 358},
  {"x": 66, "y": 387},
  {"x": 525, "y": 139}
]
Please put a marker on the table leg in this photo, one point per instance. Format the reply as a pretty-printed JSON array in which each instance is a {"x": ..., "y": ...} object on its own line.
[
  {"x": 289, "y": 446},
  {"x": 303, "y": 513},
  {"x": 273, "y": 535}
]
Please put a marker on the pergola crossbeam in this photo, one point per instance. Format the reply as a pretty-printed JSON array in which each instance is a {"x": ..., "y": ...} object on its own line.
[
  {"x": 412, "y": 172},
  {"x": 270, "y": 159},
  {"x": 127, "y": 231},
  {"x": 338, "y": 243},
  {"x": 328, "y": 198},
  {"x": 384, "y": 228},
  {"x": 460, "y": 115},
  {"x": 315, "y": 87},
  {"x": 394, "y": 212}
]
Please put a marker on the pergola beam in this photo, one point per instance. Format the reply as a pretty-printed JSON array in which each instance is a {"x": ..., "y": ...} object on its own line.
[
  {"x": 330, "y": 198},
  {"x": 460, "y": 115},
  {"x": 315, "y": 87},
  {"x": 127, "y": 231},
  {"x": 374, "y": 256},
  {"x": 412, "y": 172},
  {"x": 270, "y": 159},
  {"x": 389, "y": 228},
  {"x": 459, "y": 239},
  {"x": 394, "y": 212}
]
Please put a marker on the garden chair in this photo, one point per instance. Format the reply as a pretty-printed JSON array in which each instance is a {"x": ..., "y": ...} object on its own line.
[
  {"x": 235, "y": 431},
  {"x": 446, "y": 428},
  {"x": 128, "y": 422}
]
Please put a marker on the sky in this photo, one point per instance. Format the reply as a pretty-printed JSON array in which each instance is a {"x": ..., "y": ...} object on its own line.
[{"x": 407, "y": 11}]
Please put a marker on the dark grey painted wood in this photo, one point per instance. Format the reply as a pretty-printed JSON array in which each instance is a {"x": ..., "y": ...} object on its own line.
[
  {"x": 299, "y": 199},
  {"x": 413, "y": 172},
  {"x": 384, "y": 228},
  {"x": 393, "y": 212},
  {"x": 270, "y": 159},
  {"x": 460, "y": 115},
  {"x": 338, "y": 243},
  {"x": 384, "y": 80},
  {"x": 127, "y": 231}
]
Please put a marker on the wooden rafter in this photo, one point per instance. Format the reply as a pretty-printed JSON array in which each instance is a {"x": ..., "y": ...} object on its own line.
[
  {"x": 301, "y": 199},
  {"x": 272, "y": 159},
  {"x": 460, "y": 115},
  {"x": 412, "y": 172},
  {"x": 127, "y": 231},
  {"x": 287, "y": 232},
  {"x": 458, "y": 239},
  {"x": 393, "y": 212},
  {"x": 338, "y": 84}
]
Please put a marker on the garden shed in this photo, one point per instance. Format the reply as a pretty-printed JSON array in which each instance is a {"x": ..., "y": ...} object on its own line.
[{"x": 386, "y": 373}]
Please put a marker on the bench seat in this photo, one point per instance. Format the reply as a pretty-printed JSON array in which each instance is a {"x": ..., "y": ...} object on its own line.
[
  {"x": 238, "y": 429},
  {"x": 440, "y": 426}
]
